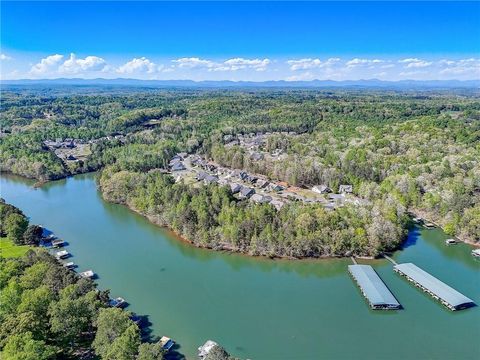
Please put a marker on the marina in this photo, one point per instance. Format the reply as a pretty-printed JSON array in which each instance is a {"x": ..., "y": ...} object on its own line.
[
  {"x": 58, "y": 243},
  {"x": 166, "y": 343},
  {"x": 118, "y": 302},
  {"x": 62, "y": 254},
  {"x": 440, "y": 291},
  {"x": 89, "y": 274},
  {"x": 373, "y": 288}
]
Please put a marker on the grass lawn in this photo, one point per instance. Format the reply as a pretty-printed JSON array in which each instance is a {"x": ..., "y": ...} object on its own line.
[{"x": 9, "y": 250}]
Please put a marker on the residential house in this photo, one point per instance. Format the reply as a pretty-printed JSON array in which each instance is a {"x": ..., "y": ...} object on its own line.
[
  {"x": 345, "y": 189},
  {"x": 260, "y": 199},
  {"x": 178, "y": 166},
  {"x": 321, "y": 189},
  {"x": 246, "y": 192},
  {"x": 235, "y": 188},
  {"x": 210, "y": 179}
]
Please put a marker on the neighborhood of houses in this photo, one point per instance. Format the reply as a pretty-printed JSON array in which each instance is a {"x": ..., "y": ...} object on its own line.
[
  {"x": 73, "y": 150},
  {"x": 195, "y": 169},
  {"x": 192, "y": 168}
]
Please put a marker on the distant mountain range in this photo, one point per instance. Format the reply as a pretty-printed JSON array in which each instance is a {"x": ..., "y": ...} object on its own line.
[{"x": 372, "y": 83}]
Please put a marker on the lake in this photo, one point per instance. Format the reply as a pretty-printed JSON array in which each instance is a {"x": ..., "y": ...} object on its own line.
[{"x": 257, "y": 308}]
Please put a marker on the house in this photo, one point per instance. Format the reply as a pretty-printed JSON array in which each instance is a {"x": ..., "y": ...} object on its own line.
[
  {"x": 260, "y": 199},
  {"x": 201, "y": 175},
  {"x": 178, "y": 167},
  {"x": 210, "y": 179},
  {"x": 345, "y": 189},
  {"x": 246, "y": 192},
  {"x": 262, "y": 183},
  {"x": 321, "y": 189},
  {"x": 251, "y": 178},
  {"x": 175, "y": 160},
  {"x": 235, "y": 188},
  {"x": 242, "y": 175},
  {"x": 276, "y": 187},
  {"x": 71, "y": 157}
]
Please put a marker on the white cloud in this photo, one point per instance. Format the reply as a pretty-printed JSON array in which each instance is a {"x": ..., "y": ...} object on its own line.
[
  {"x": 415, "y": 63},
  {"x": 362, "y": 62},
  {"x": 241, "y": 63},
  {"x": 193, "y": 62},
  {"x": 46, "y": 65},
  {"x": 73, "y": 65},
  {"x": 138, "y": 65},
  {"x": 461, "y": 67},
  {"x": 5, "y": 57},
  {"x": 305, "y": 64},
  {"x": 239, "y": 68}
]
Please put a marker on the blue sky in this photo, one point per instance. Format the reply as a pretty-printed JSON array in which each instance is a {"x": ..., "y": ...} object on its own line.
[{"x": 241, "y": 40}]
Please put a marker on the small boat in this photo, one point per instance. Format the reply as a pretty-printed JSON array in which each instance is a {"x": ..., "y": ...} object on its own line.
[
  {"x": 476, "y": 253},
  {"x": 166, "y": 343},
  {"x": 62, "y": 254},
  {"x": 69, "y": 265},
  {"x": 450, "y": 241},
  {"x": 417, "y": 220},
  {"x": 87, "y": 274},
  {"x": 118, "y": 302},
  {"x": 429, "y": 225},
  {"x": 58, "y": 243}
]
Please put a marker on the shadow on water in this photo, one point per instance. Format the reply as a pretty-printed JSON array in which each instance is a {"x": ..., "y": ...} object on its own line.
[
  {"x": 147, "y": 335},
  {"x": 412, "y": 237}
]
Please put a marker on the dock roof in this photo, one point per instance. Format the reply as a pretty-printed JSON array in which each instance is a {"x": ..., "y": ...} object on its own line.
[
  {"x": 435, "y": 286},
  {"x": 373, "y": 287}
]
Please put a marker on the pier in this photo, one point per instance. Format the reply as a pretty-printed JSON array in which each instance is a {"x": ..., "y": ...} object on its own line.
[
  {"x": 373, "y": 288},
  {"x": 437, "y": 289}
]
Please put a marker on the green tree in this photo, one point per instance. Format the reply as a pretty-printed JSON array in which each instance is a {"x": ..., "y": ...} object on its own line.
[
  {"x": 125, "y": 347},
  {"x": 73, "y": 314},
  {"x": 10, "y": 298},
  {"x": 33, "y": 235},
  {"x": 24, "y": 347},
  {"x": 15, "y": 226},
  {"x": 150, "y": 351},
  {"x": 111, "y": 324}
]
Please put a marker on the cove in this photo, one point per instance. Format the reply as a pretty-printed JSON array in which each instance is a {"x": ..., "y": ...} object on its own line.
[{"x": 256, "y": 308}]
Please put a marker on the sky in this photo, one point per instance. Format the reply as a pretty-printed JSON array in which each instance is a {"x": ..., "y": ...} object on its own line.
[{"x": 250, "y": 41}]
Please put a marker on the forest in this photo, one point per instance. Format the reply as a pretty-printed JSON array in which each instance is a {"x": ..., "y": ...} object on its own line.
[
  {"x": 49, "y": 312},
  {"x": 406, "y": 152}
]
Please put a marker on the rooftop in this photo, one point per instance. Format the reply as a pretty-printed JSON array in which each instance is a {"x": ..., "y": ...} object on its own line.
[
  {"x": 438, "y": 288},
  {"x": 373, "y": 287}
]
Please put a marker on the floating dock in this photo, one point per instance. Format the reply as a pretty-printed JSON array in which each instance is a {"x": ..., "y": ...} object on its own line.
[
  {"x": 440, "y": 291},
  {"x": 373, "y": 288}
]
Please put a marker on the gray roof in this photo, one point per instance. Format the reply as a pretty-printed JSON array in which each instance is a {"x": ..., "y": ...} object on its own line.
[
  {"x": 211, "y": 179},
  {"x": 178, "y": 166},
  {"x": 432, "y": 284},
  {"x": 372, "y": 286},
  {"x": 246, "y": 191}
]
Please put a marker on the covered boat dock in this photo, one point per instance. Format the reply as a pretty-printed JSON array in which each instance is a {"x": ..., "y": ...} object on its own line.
[
  {"x": 440, "y": 291},
  {"x": 373, "y": 288}
]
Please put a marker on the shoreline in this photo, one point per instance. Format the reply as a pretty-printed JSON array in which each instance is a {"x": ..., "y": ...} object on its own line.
[{"x": 414, "y": 212}]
